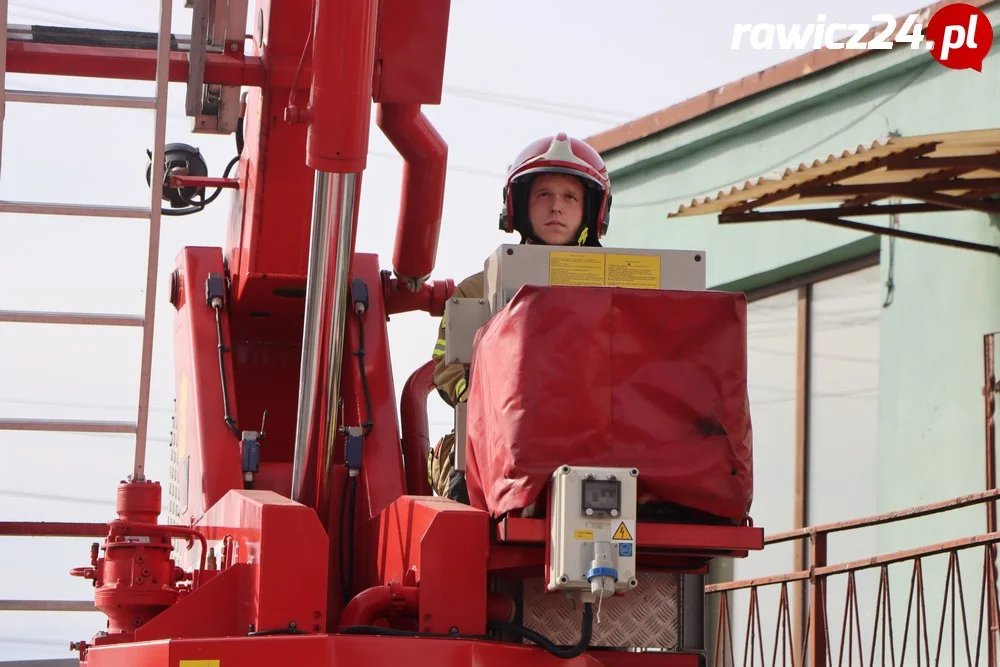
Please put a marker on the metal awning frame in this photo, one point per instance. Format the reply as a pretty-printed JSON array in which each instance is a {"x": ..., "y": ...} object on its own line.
[{"x": 946, "y": 184}]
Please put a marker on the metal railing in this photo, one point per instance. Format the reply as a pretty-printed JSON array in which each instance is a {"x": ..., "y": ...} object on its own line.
[
  {"x": 158, "y": 104},
  {"x": 852, "y": 644}
]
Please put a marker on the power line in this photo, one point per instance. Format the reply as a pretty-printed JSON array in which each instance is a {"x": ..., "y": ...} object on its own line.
[
  {"x": 30, "y": 495},
  {"x": 472, "y": 92},
  {"x": 103, "y": 23},
  {"x": 450, "y": 167},
  {"x": 572, "y": 111},
  {"x": 784, "y": 161},
  {"x": 543, "y": 106}
]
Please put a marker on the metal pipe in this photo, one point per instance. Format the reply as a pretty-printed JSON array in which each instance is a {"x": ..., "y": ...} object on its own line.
[
  {"x": 431, "y": 297},
  {"x": 52, "y": 529},
  {"x": 345, "y": 191},
  {"x": 323, "y": 330},
  {"x": 989, "y": 393},
  {"x": 343, "y": 62},
  {"x": 153, "y": 246},
  {"x": 887, "y": 517},
  {"x": 80, "y": 99},
  {"x": 319, "y": 243},
  {"x": 3, "y": 73},
  {"x": 67, "y": 426},
  {"x": 94, "y": 319},
  {"x": 416, "y": 435},
  {"x": 425, "y": 161},
  {"x": 86, "y": 210}
]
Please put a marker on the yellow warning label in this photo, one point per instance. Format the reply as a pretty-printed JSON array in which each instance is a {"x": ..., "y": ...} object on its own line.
[
  {"x": 576, "y": 268},
  {"x": 622, "y": 533},
  {"x": 583, "y": 534},
  {"x": 637, "y": 271},
  {"x": 199, "y": 663}
]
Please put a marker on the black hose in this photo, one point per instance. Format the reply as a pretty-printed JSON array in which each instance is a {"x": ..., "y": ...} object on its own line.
[
  {"x": 392, "y": 632},
  {"x": 345, "y": 587},
  {"x": 239, "y": 136},
  {"x": 348, "y": 504},
  {"x": 230, "y": 422},
  {"x": 586, "y": 632},
  {"x": 360, "y": 354}
]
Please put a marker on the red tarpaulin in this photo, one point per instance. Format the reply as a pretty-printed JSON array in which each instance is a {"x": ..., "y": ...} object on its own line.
[{"x": 600, "y": 376}]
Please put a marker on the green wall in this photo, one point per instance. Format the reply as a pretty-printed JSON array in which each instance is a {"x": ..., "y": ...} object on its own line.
[{"x": 931, "y": 432}]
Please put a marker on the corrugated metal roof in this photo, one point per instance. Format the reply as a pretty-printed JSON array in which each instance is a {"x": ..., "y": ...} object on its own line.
[{"x": 782, "y": 189}]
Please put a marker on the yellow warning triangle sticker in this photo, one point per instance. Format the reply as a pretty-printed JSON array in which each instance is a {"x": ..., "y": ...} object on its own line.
[{"x": 622, "y": 533}]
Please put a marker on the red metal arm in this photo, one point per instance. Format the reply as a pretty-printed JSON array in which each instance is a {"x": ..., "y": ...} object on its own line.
[
  {"x": 416, "y": 434},
  {"x": 426, "y": 157}
]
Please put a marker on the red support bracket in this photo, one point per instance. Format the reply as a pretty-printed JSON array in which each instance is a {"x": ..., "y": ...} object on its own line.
[
  {"x": 678, "y": 546},
  {"x": 180, "y": 181}
]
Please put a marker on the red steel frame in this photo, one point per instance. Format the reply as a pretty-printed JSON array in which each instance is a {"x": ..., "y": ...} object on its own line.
[{"x": 270, "y": 588}]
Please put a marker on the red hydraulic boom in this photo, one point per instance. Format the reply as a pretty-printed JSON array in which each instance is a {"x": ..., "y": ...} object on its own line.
[{"x": 304, "y": 530}]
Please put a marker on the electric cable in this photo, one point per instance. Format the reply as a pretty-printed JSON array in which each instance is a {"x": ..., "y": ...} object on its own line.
[
  {"x": 784, "y": 161},
  {"x": 586, "y": 633},
  {"x": 345, "y": 582},
  {"x": 570, "y": 111},
  {"x": 566, "y": 653},
  {"x": 349, "y": 493},
  {"x": 227, "y": 415},
  {"x": 360, "y": 354}
]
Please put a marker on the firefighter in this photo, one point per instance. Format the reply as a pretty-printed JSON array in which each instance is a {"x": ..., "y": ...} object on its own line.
[{"x": 557, "y": 193}]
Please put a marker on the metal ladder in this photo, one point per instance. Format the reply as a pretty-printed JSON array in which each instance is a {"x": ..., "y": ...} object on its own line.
[{"x": 157, "y": 103}]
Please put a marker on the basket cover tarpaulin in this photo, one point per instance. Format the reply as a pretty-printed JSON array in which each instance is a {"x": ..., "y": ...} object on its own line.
[{"x": 602, "y": 376}]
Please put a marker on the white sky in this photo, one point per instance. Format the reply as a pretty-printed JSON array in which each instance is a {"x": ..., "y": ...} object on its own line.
[{"x": 515, "y": 71}]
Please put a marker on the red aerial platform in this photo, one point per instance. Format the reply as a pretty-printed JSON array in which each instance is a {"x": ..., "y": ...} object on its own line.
[{"x": 305, "y": 531}]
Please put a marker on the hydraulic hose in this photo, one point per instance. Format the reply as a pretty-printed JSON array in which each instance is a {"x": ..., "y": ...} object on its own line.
[{"x": 586, "y": 633}]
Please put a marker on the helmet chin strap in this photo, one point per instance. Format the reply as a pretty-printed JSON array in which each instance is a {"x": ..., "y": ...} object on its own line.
[{"x": 530, "y": 238}]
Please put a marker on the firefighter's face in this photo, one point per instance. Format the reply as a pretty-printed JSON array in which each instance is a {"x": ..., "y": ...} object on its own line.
[{"x": 555, "y": 208}]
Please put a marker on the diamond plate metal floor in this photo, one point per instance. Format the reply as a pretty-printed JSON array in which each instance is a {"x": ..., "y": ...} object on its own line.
[{"x": 651, "y": 616}]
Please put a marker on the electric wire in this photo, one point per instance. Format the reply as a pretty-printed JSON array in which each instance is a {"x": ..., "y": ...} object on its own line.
[
  {"x": 586, "y": 634},
  {"x": 920, "y": 71},
  {"x": 571, "y": 111},
  {"x": 222, "y": 349},
  {"x": 76, "y": 500},
  {"x": 349, "y": 492}
]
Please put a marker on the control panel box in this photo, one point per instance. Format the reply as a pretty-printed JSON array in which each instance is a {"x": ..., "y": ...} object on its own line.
[
  {"x": 462, "y": 319},
  {"x": 511, "y": 267},
  {"x": 593, "y": 530}
]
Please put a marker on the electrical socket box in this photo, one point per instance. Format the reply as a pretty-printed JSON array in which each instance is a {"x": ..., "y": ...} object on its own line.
[
  {"x": 593, "y": 523},
  {"x": 511, "y": 267}
]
